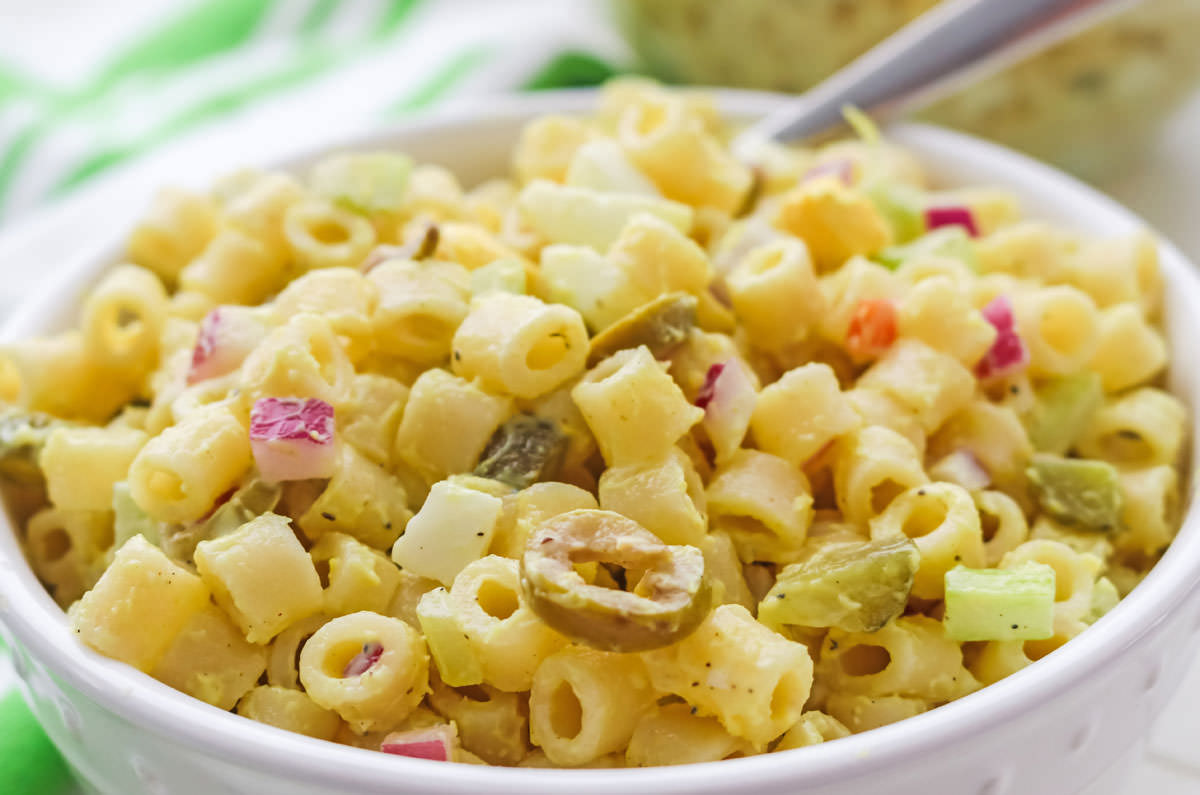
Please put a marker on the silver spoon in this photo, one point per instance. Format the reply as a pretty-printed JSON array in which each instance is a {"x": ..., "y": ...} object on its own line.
[{"x": 956, "y": 43}]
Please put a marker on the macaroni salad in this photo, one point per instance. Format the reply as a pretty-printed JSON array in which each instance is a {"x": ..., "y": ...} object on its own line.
[{"x": 639, "y": 456}]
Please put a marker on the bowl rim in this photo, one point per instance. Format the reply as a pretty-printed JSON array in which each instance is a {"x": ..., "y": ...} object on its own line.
[{"x": 40, "y": 627}]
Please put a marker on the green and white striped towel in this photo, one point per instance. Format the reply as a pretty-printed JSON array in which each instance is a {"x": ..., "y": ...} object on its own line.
[{"x": 86, "y": 86}]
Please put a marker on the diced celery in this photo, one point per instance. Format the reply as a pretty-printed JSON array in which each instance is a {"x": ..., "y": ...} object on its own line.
[
  {"x": 1061, "y": 411},
  {"x": 949, "y": 241},
  {"x": 857, "y": 586},
  {"x": 661, "y": 325},
  {"x": 1104, "y": 598},
  {"x": 365, "y": 182},
  {"x": 588, "y": 282},
  {"x": 602, "y": 165},
  {"x": 503, "y": 275},
  {"x": 903, "y": 208},
  {"x": 1000, "y": 604},
  {"x": 130, "y": 520},
  {"x": 1077, "y": 491},
  {"x": 456, "y": 661},
  {"x": 565, "y": 214},
  {"x": 523, "y": 451}
]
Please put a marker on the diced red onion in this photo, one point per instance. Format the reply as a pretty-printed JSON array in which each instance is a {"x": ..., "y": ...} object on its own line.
[
  {"x": 951, "y": 215},
  {"x": 1008, "y": 353},
  {"x": 292, "y": 438},
  {"x": 727, "y": 398},
  {"x": 434, "y": 742},
  {"x": 963, "y": 468},
  {"x": 708, "y": 390},
  {"x": 840, "y": 167},
  {"x": 363, "y": 661},
  {"x": 723, "y": 384},
  {"x": 226, "y": 337}
]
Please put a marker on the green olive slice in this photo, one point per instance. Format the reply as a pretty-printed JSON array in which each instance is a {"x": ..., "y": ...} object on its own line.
[
  {"x": 666, "y": 604},
  {"x": 661, "y": 325}
]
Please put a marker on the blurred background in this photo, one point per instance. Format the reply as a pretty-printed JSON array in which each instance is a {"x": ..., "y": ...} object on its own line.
[
  {"x": 88, "y": 87},
  {"x": 101, "y": 103}
]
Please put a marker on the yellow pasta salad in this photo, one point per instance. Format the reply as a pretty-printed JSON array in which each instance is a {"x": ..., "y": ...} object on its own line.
[{"x": 640, "y": 455}]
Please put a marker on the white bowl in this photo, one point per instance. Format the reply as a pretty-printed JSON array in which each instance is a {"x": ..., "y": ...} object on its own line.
[{"x": 1056, "y": 727}]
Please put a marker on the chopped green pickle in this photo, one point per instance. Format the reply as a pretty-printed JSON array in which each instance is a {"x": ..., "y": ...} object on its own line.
[
  {"x": 857, "y": 586},
  {"x": 901, "y": 205},
  {"x": 250, "y": 501},
  {"x": 523, "y": 451},
  {"x": 948, "y": 241},
  {"x": 22, "y": 436},
  {"x": 1000, "y": 604},
  {"x": 661, "y": 325},
  {"x": 665, "y": 605},
  {"x": 456, "y": 661},
  {"x": 1077, "y": 491},
  {"x": 130, "y": 520},
  {"x": 1061, "y": 411}
]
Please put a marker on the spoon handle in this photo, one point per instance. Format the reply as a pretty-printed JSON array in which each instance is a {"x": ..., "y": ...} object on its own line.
[{"x": 929, "y": 51}]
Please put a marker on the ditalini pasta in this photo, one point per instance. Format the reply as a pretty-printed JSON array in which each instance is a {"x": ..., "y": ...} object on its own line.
[{"x": 640, "y": 456}]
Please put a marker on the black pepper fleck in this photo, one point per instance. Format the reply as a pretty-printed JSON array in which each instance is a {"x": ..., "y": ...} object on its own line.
[{"x": 327, "y": 516}]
